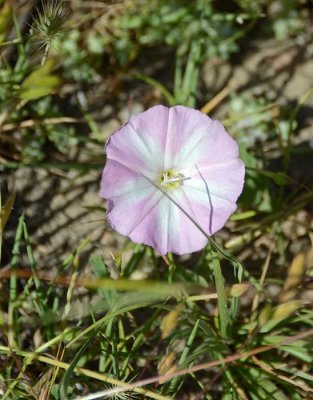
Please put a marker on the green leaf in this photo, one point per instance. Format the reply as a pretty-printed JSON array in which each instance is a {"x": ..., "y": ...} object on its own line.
[
  {"x": 40, "y": 83},
  {"x": 280, "y": 178},
  {"x": 157, "y": 85},
  {"x": 303, "y": 353},
  {"x": 6, "y": 211},
  {"x": 261, "y": 386},
  {"x": 256, "y": 194},
  {"x": 176, "y": 382},
  {"x": 5, "y": 20},
  {"x": 100, "y": 268},
  {"x": 102, "y": 271},
  {"x": 66, "y": 381},
  {"x": 223, "y": 311},
  {"x": 186, "y": 93}
]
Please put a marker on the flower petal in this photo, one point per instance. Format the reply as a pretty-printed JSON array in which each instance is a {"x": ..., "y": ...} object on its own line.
[
  {"x": 179, "y": 221},
  {"x": 216, "y": 188},
  {"x": 130, "y": 216},
  {"x": 135, "y": 150},
  {"x": 152, "y": 127},
  {"x": 212, "y": 146},
  {"x": 186, "y": 129},
  {"x": 172, "y": 130},
  {"x": 119, "y": 180},
  {"x": 168, "y": 229}
]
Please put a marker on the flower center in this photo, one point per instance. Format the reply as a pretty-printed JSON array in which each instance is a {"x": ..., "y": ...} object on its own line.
[{"x": 171, "y": 179}]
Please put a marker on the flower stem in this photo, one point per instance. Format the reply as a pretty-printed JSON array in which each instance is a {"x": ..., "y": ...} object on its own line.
[
  {"x": 45, "y": 56},
  {"x": 221, "y": 294}
]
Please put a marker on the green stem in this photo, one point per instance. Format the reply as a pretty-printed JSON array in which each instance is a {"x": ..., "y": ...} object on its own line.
[
  {"x": 45, "y": 56},
  {"x": 13, "y": 283},
  {"x": 221, "y": 294},
  {"x": 158, "y": 85}
]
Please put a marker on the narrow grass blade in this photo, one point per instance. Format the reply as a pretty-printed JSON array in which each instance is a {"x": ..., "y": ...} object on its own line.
[{"x": 176, "y": 382}]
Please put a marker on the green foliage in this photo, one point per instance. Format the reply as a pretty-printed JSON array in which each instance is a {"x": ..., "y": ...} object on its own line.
[
  {"x": 256, "y": 194},
  {"x": 25, "y": 93},
  {"x": 11, "y": 78},
  {"x": 40, "y": 83},
  {"x": 113, "y": 344},
  {"x": 89, "y": 324},
  {"x": 5, "y": 19},
  {"x": 77, "y": 62},
  {"x": 251, "y": 119},
  {"x": 176, "y": 24},
  {"x": 287, "y": 19}
]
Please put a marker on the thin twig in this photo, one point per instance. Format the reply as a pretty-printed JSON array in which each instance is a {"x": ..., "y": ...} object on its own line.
[
  {"x": 47, "y": 121},
  {"x": 216, "y": 100}
]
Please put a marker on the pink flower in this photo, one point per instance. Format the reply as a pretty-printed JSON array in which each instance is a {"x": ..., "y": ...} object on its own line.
[{"x": 167, "y": 171}]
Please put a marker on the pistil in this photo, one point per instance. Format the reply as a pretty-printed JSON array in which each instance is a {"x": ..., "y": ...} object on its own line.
[{"x": 172, "y": 179}]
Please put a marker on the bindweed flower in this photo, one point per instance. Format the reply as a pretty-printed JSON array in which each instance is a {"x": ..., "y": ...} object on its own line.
[{"x": 172, "y": 178}]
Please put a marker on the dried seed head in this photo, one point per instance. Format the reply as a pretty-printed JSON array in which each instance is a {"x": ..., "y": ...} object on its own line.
[{"x": 49, "y": 23}]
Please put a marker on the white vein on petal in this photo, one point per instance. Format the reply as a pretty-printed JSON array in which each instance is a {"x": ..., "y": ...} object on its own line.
[
  {"x": 150, "y": 146},
  {"x": 167, "y": 151},
  {"x": 180, "y": 208},
  {"x": 125, "y": 164},
  {"x": 173, "y": 219},
  {"x": 164, "y": 206},
  {"x": 217, "y": 165},
  {"x": 183, "y": 189},
  {"x": 203, "y": 191},
  {"x": 155, "y": 204},
  {"x": 138, "y": 183},
  {"x": 136, "y": 193},
  {"x": 185, "y": 152}
]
